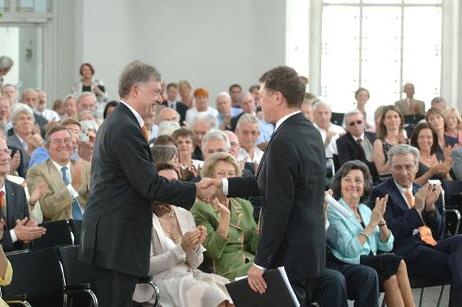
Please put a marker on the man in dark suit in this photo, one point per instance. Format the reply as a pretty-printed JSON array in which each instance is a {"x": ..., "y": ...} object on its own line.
[
  {"x": 290, "y": 179},
  {"x": 415, "y": 216},
  {"x": 116, "y": 229},
  {"x": 14, "y": 209},
  {"x": 173, "y": 103},
  {"x": 356, "y": 144}
]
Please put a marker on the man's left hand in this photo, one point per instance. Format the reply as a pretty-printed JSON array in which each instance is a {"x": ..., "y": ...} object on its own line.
[{"x": 256, "y": 281}]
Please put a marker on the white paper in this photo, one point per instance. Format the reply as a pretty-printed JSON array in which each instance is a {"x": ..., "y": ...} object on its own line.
[
  {"x": 289, "y": 287},
  {"x": 337, "y": 206}
]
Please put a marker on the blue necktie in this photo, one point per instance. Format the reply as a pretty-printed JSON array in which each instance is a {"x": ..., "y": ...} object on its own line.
[{"x": 76, "y": 211}]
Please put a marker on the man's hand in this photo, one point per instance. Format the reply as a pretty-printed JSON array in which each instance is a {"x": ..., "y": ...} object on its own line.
[
  {"x": 434, "y": 191},
  {"x": 256, "y": 281},
  {"x": 420, "y": 197},
  {"x": 38, "y": 193},
  {"x": 27, "y": 231},
  {"x": 208, "y": 189}
]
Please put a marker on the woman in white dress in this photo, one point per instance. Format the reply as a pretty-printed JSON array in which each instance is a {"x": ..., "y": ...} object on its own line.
[{"x": 176, "y": 252}]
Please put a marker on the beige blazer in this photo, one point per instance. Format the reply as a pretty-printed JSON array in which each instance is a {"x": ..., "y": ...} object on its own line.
[
  {"x": 57, "y": 202},
  {"x": 417, "y": 107}
]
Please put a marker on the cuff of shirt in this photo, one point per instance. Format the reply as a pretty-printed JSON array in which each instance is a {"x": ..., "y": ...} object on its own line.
[
  {"x": 13, "y": 236},
  {"x": 225, "y": 186},
  {"x": 260, "y": 267},
  {"x": 72, "y": 191}
]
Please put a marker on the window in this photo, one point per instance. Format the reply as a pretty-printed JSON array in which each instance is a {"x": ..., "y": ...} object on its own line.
[{"x": 380, "y": 45}]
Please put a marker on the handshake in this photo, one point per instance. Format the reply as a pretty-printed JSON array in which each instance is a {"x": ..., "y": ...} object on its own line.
[{"x": 208, "y": 189}]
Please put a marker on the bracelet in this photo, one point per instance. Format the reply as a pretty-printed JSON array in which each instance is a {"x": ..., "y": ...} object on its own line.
[
  {"x": 364, "y": 235},
  {"x": 383, "y": 224}
]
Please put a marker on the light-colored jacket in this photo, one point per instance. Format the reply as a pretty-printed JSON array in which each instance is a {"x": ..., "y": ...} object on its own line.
[{"x": 342, "y": 235}]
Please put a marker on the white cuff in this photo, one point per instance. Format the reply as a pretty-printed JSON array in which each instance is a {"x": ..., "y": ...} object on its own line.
[
  {"x": 13, "y": 236},
  {"x": 72, "y": 191},
  {"x": 225, "y": 186}
]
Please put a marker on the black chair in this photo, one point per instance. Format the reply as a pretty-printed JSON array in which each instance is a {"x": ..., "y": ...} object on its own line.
[
  {"x": 58, "y": 233},
  {"x": 76, "y": 228},
  {"x": 78, "y": 277},
  {"x": 337, "y": 118},
  {"x": 147, "y": 282},
  {"x": 37, "y": 277}
]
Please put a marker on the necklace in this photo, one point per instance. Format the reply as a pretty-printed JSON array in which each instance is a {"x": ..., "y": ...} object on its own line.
[{"x": 170, "y": 226}]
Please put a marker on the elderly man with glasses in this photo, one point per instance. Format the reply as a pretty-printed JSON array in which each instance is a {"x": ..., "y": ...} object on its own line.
[{"x": 67, "y": 180}]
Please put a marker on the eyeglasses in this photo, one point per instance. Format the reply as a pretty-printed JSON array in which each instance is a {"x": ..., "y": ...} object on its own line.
[
  {"x": 6, "y": 152},
  {"x": 358, "y": 122},
  {"x": 67, "y": 141}
]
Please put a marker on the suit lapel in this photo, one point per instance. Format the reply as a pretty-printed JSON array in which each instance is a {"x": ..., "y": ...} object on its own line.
[
  {"x": 396, "y": 195},
  {"x": 10, "y": 205}
]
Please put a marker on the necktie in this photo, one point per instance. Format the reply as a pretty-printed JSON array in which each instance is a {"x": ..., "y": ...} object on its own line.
[
  {"x": 76, "y": 211},
  {"x": 144, "y": 132},
  {"x": 3, "y": 203},
  {"x": 359, "y": 141},
  {"x": 424, "y": 231}
]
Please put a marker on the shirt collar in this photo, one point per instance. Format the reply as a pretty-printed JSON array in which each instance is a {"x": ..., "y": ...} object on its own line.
[
  {"x": 3, "y": 188},
  {"x": 59, "y": 166},
  {"x": 283, "y": 119},
  {"x": 137, "y": 115},
  {"x": 356, "y": 138},
  {"x": 401, "y": 188}
]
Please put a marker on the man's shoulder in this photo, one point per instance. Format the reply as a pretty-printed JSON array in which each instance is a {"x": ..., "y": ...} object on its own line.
[{"x": 41, "y": 167}]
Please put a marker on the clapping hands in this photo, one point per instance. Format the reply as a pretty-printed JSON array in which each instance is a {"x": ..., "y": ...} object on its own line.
[
  {"x": 379, "y": 210},
  {"x": 427, "y": 196},
  {"x": 192, "y": 239}
]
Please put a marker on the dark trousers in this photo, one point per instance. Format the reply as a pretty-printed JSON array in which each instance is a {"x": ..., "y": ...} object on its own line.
[
  {"x": 114, "y": 289},
  {"x": 362, "y": 283},
  {"x": 330, "y": 289},
  {"x": 441, "y": 263}
]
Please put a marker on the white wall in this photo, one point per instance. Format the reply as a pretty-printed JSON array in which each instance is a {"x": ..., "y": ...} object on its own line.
[{"x": 208, "y": 42}]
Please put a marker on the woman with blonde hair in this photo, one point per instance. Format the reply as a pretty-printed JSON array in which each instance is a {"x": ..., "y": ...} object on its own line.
[{"x": 453, "y": 124}]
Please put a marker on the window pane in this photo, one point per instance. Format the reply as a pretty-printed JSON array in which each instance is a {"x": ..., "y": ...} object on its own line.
[
  {"x": 422, "y": 51},
  {"x": 382, "y": 1},
  {"x": 340, "y": 56},
  {"x": 25, "y": 6},
  {"x": 381, "y": 54},
  {"x": 3, "y": 5},
  {"x": 422, "y": 1},
  {"x": 340, "y": 1}
]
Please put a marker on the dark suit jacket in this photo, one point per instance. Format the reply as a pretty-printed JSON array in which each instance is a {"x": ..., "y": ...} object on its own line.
[
  {"x": 291, "y": 180},
  {"x": 349, "y": 149},
  {"x": 234, "y": 121},
  {"x": 16, "y": 209},
  {"x": 402, "y": 221},
  {"x": 116, "y": 229}
]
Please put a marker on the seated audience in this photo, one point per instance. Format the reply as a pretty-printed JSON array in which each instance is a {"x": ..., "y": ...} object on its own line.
[
  {"x": 231, "y": 230},
  {"x": 176, "y": 253},
  {"x": 234, "y": 92},
  {"x": 224, "y": 111},
  {"x": 14, "y": 209},
  {"x": 414, "y": 214},
  {"x": 409, "y": 105},
  {"x": 453, "y": 124},
  {"x": 355, "y": 237},
  {"x": 41, "y": 108},
  {"x": 109, "y": 108},
  {"x": 167, "y": 114},
  {"x": 247, "y": 130},
  {"x": 86, "y": 102},
  {"x": 58, "y": 107},
  {"x": 88, "y": 83},
  {"x": 184, "y": 142},
  {"x": 165, "y": 154},
  {"x": 185, "y": 91},
  {"x": 362, "y": 96},
  {"x": 436, "y": 121},
  {"x": 67, "y": 180},
  {"x": 5, "y": 112},
  {"x": 165, "y": 140},
  {"x": 172, "y": 102},
  {"x": 248, "y": 106},
  {"x": 356, "y": 143},
  {"x": 167, "y": 127},
  {"x": 389, "y": 132},
  {"x": 31, "y": 98},
  {"x": 201, "y": 98},
  {"x": 439, "y": 103},
  {"x": 199, "y": 126},
  {"x": 70, "y": 107},
  {"x": 9, "y": 90},
  {"x": 235, "y": 146},
  {"x": 214, "y": 141},
  {"x": 432, "y": 165}
]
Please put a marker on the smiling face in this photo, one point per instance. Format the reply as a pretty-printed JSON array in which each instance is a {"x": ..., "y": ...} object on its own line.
[
  {"x": 148, "y": 96},
  {"x": 60, "y": 146},
  {"x": 322, "y": 116},
  {"x": 352, "y": 185},
  {"x": 224, "y": 169},
  {"x": 425, "y": 139}
]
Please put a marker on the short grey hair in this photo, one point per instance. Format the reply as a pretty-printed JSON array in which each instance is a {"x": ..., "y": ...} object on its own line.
[
  {"x": 209, "y": 119},
  {"x": 348, "y": 114},
  {"x": 319, "y": 104},
  {"x": 6, "y": 62},
  {"x": 18, "y": 109},
  {"x": 245, "y": 94},
  {"x": 224, "y": 94},
  {"x": 216, "y": 134},
  {"x": 167, "y": 127},
  {"x": 246, "y": 119},
  {"x": 402, "y": 149},
  {"x": 165, "y": 109},
  {"x": 136, "y": 73},
  {"x": 85, "y": 94},
  {"x": 163, "y": 153}
]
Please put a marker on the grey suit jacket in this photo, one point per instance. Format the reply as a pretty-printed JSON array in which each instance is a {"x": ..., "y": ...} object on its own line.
[{"x": 14, "y": 141}]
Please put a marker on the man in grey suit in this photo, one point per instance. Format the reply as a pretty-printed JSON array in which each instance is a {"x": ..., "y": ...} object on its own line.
[
  {"x": 116, "y": 229},
  {"x": 409, "y": 105}
]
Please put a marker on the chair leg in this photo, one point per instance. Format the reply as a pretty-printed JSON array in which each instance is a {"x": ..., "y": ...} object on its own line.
[
  {"x": 441, "y": 296},
  {"x": 421, "y": 297}
]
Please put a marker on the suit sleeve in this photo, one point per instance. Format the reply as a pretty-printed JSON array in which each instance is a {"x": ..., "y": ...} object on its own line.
[
  {"x": 435, "y": 220},
  {"x": 243, "y": 187},
  {"x": 131, "y": 152},
  {"x": 343, "y": 152},
  {"x": 400, "y": 224},
  {"x": 279, "y": 199}
]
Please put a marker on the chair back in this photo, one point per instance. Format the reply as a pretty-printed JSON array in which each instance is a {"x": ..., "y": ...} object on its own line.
[
  {"x": 76, "y": 228},
  {"x": 58, "y": 233},
  {"x": 75, "y": 271},
  {"x": 36, "y": 273},
  {"x": 452, "y": 194}
]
